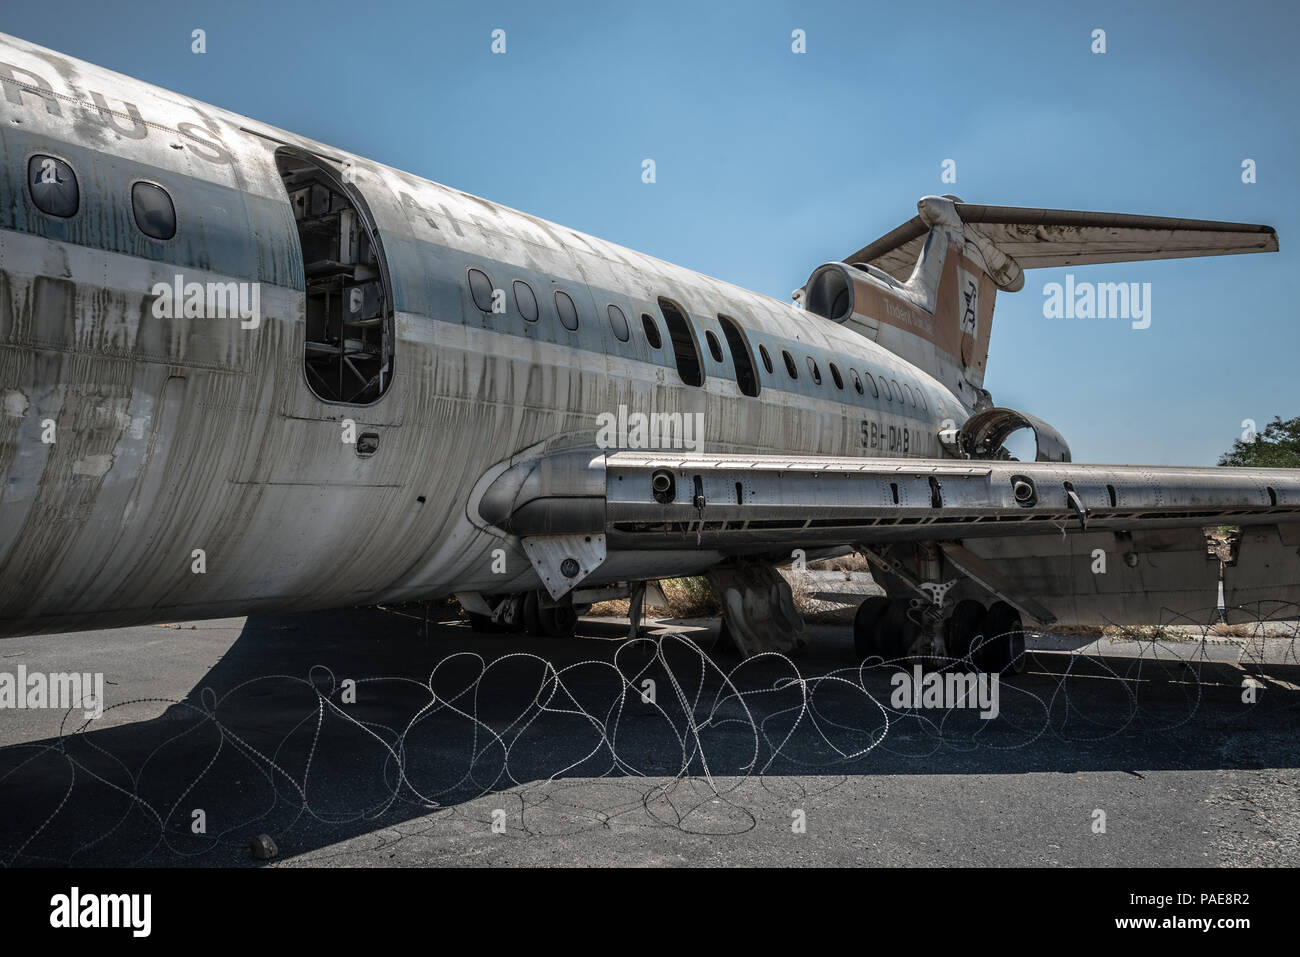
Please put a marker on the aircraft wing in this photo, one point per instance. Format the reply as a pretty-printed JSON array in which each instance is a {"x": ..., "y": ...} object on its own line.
[
  {"x": 1036, "y": 238},
  {"x": 1038, "y": 524}
]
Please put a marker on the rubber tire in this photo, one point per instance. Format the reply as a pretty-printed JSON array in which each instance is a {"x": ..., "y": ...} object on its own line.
[
  {"x": 962, "y": 626},
  {"x": 866, "y": 627},
  {"x": 1004, "y": 641},
  {"x": 896, "y": 630},
  {"x": 558, "y": 622}
]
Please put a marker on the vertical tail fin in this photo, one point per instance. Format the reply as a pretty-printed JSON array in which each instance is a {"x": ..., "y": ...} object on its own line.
[
  {"x": 925, "y": 291},
  {"x": 926, "y": 295}
]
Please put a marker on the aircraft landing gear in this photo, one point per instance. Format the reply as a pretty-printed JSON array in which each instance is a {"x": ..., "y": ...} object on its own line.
[
  {"x": 1003, "y": 650},
  {"x": 757, "y": 607},
  {"x": 992, "y": 640},
  {"x": 560, "y": 621},
  {"x": 530, "y": 613},
  {"x": 892, "y": 628},
  {"x": 964, "y": 628},
  {"x": 867, "y": 633},
  {"x": 928, "y": 624}
]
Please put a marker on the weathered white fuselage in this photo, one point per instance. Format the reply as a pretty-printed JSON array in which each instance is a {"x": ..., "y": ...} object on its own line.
[{"x": 178, "y": 436}]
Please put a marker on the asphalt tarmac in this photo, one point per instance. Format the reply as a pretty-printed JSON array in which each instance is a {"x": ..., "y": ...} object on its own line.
[{"x": 370, "y": 737}]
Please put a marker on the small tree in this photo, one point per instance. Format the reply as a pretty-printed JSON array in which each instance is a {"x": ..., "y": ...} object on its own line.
[{"x": 1277, "y": 447}]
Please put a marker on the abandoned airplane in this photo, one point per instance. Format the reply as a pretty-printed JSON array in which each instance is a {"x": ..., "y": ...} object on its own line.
[{"x": 247, "y": 372}]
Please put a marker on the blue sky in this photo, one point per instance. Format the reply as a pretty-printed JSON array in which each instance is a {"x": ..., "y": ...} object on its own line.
[{"x": 770, "y": 163}]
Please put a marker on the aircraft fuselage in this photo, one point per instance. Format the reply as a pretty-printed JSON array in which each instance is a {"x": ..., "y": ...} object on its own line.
[{"x": 162, "y": 465}]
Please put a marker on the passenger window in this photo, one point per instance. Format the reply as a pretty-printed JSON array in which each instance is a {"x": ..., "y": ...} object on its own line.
[
  {"x": 53, "y": 186},
  {"x": 767, "y": 359},
  {"x": 835, "y": 375},
  {"x": 685, "y": 349},
  {"x": 897, "y": 390},
  {"x": 155, "y": 214},
  {"x": 526, "y": 300},
  {"x": 618, "y": 322},
  {"x": 480, "y": 288},
  {"x": 875, "y": 393},
  {"x": 857, "y": 382},
  {"x": 789, "y": 364},
  {"x": 715, "y": 349},
  {"x": 567, "y": 310},
  {"x": 651, "y": 331},
  {"x": 816, "y": 372}
]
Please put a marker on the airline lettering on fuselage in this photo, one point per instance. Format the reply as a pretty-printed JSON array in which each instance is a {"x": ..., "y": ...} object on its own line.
[
  {"x": 909, "y": 318},
  {"x": 18, "y": 81},
  {"x": 886, "y": 439}
]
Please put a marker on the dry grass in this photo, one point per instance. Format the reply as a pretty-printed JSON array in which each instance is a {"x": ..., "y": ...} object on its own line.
[
  {"x": 1142, "y": 633},
  {"x": 1222, "y": 630},
  {"x": 687, "y": 598},
  {"x": 693, "y": 598},
  {"x": 617, "y": 608}
]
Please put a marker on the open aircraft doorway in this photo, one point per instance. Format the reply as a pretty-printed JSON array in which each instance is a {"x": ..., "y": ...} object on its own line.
[{"x": 348, "y": 344}]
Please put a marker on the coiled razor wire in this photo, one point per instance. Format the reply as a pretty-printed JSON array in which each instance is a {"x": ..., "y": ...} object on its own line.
[{"x": 670, "y": 753}]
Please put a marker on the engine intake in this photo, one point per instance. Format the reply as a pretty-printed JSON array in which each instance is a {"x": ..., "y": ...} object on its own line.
[{"x": 984, "y": 433}]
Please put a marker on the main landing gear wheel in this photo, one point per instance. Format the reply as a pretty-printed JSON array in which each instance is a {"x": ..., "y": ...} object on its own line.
[
  {"x": 1003, "y": 649},
  {"x": 866, "y": 624},
  {"x": 558, "y": 622},
  {"x": 883, "y": 627},
  {"x": 524, "y": 612},
  {"x": 897, "y": 631},
  {"x": 962, "y": 627}
]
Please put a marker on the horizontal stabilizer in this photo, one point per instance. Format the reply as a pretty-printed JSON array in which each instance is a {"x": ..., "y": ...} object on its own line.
[{"x": 1039, "y": 238}]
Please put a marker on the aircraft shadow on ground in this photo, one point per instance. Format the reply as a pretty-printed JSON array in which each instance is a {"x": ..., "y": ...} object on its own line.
[{"x": 318, "y": 727}]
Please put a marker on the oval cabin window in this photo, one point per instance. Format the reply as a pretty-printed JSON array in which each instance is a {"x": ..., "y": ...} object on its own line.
[
  {"x": 652, "y": 335},
  {"x": 155, "y": 214},
  {"x": 525, "y": 300},
  {"x": 53, "y": 186},
  {"x": 618, "y": 322},
  {"x": 480, "y": 288},
  {"x": 567, "y": 310}
]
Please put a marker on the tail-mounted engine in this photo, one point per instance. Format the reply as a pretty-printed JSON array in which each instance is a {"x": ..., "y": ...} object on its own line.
[{"x": 985, "y": 433}]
